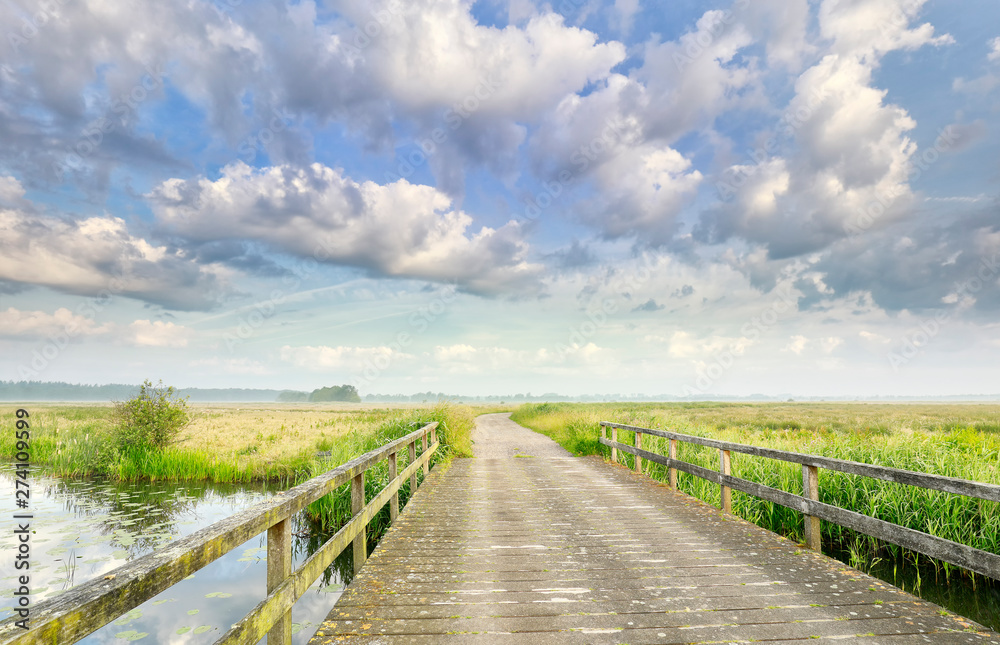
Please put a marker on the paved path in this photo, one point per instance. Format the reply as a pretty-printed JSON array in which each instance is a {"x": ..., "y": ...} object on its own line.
[{"x": 555, "y": 549}]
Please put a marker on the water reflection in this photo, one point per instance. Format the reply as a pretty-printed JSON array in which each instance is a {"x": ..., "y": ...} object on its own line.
[{"x": 83, "y": 529}]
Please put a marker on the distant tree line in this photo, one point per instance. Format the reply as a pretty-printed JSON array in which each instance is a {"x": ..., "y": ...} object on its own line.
[{"x": 59, "y": 391}]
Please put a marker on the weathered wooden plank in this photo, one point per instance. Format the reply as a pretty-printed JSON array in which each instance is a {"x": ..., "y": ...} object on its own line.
[
  {"x": 279, "y": 567},
  {"x": 411, "y": 451},
  {"x": 394, "y": 500},
  {"x": 357, "y": 506},
  {"x": 979, "y": 490},
  {"x": 279, "y": 601},
  {"x": 810, "y": 489},
  {"x": 727, "y": 493},
  {"x": 672, "y": 472},
  {"x": 80, "y": 611}
]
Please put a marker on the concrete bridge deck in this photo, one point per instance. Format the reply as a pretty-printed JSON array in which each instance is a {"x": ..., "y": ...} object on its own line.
[{"x": 525, "y": 544}]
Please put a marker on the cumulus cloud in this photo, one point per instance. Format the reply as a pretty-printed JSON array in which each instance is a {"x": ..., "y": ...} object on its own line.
[
  {"x": 99, "y": 256},
  {"x": 620, "y": 136},
  {"x": 157, "y": 333},
  {"x": 39, "y": 324},
  {"x": 849, "y": 149},
  {"x": 397, "y": 230}
]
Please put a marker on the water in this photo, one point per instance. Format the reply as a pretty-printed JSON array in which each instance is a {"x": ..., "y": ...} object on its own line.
[
  {"x": 83, "y": 529},
  {"x": 978, "y": 600}
]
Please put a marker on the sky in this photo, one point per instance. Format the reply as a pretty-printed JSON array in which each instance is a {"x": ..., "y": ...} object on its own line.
[{"x": 503, "y": 196}]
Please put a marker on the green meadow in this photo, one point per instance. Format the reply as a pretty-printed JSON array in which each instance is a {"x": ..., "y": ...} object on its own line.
[
  {"x": 953, "y": 440},
  {"x": 286, "y": 444}
]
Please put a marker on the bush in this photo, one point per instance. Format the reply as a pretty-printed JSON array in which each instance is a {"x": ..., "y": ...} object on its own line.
[{"x": 149, "y": 420}]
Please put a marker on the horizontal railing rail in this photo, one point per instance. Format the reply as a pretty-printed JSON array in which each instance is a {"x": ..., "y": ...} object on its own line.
[
  {"x": 82, "y": 610},
  {"x": 967, "y": 557}
]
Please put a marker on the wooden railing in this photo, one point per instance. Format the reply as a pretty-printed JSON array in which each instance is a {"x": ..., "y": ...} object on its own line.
[
  {"x": 977, "y": 560},
  {"x": 80, "y": 611}
]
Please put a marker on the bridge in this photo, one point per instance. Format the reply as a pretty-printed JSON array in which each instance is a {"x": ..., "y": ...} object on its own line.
[{"x": 526, "y": 544}]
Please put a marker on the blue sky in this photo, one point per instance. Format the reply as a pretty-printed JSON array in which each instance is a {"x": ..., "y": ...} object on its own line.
[{"x": 680, "y": 198}]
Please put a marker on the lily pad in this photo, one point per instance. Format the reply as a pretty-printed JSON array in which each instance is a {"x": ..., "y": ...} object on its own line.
[
  {"x": 129, "y": 617},
  {"x": 131, "y": 635},
  {"x": 202, "y": 629}
]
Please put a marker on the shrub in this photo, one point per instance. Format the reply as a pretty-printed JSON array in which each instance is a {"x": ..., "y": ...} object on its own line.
[{"x": 149, "y": 420}]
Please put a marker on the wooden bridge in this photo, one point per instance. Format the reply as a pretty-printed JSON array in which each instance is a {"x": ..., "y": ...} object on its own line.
[{"x": 525, "y": 544}]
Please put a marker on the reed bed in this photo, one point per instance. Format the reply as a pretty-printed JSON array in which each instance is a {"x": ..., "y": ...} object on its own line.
[
  {"x": 241, "y": 445},
  {"x": 953, "y": 440}
]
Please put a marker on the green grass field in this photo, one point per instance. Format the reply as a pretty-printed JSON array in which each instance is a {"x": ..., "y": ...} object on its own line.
[
  {"x": 954, "y": 440},
  {"x": 244, "y": 443}
]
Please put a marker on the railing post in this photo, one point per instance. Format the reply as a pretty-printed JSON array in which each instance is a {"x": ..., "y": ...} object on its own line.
[
  {"x": 279, "y": 567},
  {"x": 638, "y": 459},
  {"x": 412, "y": 450},
  {"x": 614, "y": 449},
  {"x": 672, "y": 472},
  {"x": 423, "y": 449},
  {"x": 357, "y": 505},
  {"x": 810, "y": 490},
  {"x": 434, "y": 434},
  {"x": 727, "y": 492},
  {"x": 394, "y": 500}
]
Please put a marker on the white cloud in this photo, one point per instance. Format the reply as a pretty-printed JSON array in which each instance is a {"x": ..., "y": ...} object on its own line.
[
  {"x": 464, "y": 358},
  {"x": 643, "y": 190},
  {"x": 233, "y": 366},
  {"x": 797, "y": 345},
  {"x": 398, "y": 230},
  {"x": 321, "y": 358},
  {"x": 15, "y": 322},
  {"x": 825, "y": 345},
  {"x": 994, "y": 55},
  {"x": 625, "y": 11},
  {"x": 872, "y": 337},
  {"x": 440, "y": 57},
  {"x": 987, "y": 82},
  {"x": 97, "y": 256},
  {"x": 157, "y": 333},
  {"x": 848, "y": 148},
  {"x": 687, "y": 345}
]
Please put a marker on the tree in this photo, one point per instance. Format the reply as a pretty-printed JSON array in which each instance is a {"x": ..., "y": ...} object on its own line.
[
  {"x": 347, "y": 393},
  {"x": 149, "y": 420}
]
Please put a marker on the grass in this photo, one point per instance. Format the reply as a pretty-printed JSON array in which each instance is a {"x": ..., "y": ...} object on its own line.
[
  {"x": 243, "y": 444},
  {"x": 222, "y": 443},
  {"x": 954, "y": 440}
]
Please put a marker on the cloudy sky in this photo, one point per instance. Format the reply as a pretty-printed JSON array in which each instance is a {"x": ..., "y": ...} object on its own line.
[{"x": 501, "y": 196}]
